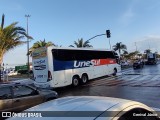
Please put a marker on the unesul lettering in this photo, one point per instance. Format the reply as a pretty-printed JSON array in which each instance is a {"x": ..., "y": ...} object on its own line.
[{"x": 86, "y": 63}]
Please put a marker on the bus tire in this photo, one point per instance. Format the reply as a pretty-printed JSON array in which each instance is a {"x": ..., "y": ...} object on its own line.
[
  {"x": 84, "y": 79},
  {"x": 75, "y": 81},
  {"x": 114, "y": 72}
]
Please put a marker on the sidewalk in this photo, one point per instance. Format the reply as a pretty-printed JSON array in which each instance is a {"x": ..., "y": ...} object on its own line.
[{"x": 17, "y": 79}]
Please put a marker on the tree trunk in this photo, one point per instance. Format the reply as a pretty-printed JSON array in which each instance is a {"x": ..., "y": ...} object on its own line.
[
  {"x": 1, "y": 58},
  {"x": 0, "y": 74}
]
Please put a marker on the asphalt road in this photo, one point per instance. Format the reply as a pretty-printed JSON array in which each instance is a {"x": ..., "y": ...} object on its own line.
[{"x": 141, "y": 85}]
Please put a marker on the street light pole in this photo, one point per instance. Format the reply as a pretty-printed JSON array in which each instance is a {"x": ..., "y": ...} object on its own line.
[
  {"x": 95, "y": 37},
  {"x": 108, "y": 34},
  {"x": 27, "y": 16},
  {"x": 136, "y": 45},
  {"x": 109, "y": 43}
]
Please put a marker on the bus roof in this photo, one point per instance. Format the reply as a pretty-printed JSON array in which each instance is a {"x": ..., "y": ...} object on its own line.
[{"x": 72, "y": 48}]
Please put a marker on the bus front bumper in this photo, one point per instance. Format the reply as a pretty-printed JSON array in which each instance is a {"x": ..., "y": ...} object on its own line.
[{"x": 41, "y": 85}]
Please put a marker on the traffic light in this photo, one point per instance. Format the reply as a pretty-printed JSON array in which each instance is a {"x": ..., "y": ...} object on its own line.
[{"x": 108, "y": 33}]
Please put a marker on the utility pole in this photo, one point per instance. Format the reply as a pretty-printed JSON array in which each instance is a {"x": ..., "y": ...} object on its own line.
[
  {"x": 28, "y": 66},
  {"x": 136, "y": 45}
]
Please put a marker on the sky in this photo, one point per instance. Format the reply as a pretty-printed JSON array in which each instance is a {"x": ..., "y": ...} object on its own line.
[{"x": 135, "y": 23}]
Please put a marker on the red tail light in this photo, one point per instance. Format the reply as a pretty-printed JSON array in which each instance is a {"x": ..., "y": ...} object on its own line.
[{"x": 49, "y": 76}]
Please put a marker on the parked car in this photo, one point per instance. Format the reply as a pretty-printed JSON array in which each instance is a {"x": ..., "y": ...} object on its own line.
[
  {"x": 18, "y": 97},
  {"x": 1, "y": 75},
  {"x": 91, "y": 108},
  {"x": 123, "y": 64},
  {"x": 138, "y": 64}
]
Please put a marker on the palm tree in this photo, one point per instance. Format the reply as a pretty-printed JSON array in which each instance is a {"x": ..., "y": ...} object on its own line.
[
  {"x": 81, "y": 43},
  {"x": 125, "y": 53},
  {"x": 10, "y": 37},
  {"x": 119, "y": 46},
  {"x": 38, "y": 44}
]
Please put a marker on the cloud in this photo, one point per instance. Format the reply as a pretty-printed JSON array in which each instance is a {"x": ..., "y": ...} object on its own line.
[
  {"x": 127, "y": 16},
  {"x": 148, "y": 42}
]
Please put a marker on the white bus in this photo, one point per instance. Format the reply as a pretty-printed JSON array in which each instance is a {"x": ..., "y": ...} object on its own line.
[{"x": 57, "y": 67}]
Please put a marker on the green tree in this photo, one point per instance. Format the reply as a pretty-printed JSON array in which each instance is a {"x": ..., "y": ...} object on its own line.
[
  {"x": 119, "y": 46},
  {"x": 147, "y": 51},
  {"x": 81, "y": 43},
  {"x": 38, "y": 44},
  {"x": 140, "y": 55},
  {"x": 125, "y": 53},
  {"x": 10, "y": 37},
  {"x": 132, "y": 54}
]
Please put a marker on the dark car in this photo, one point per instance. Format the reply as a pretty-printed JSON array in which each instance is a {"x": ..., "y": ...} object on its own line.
[
  {"x": 18, "y": 97},
  {"x": 151, "y": 61},
  {"x": 138, "y": 64}
]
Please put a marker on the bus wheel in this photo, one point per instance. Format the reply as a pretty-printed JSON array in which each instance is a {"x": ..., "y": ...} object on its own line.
[
  {"x": 114, "y": 72},
  {"x": 75, "y": 81},
  {"x": 84, "y": 79}
]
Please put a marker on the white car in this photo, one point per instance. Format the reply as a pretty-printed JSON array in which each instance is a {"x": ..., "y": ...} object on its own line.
[
  {"x": 90, "y": 108},
  {"x": 124, "y": 63}
]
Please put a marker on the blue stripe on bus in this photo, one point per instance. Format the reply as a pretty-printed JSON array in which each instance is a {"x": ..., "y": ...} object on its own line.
[
  {"x": 62, "y": 65},
  {"x": 65, "y": 65}
]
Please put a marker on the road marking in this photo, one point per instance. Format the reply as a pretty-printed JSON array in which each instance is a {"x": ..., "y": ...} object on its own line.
[
  {"x": 134, "y": 77},
  {"x": 155, "y": 77},
  {"x": 128, "y": 80}
]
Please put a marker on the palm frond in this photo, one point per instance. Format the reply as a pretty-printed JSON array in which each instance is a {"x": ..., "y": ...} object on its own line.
[
  {"x": 81, "y": 43},
  {"x": 10, "y": 37},
  {"x": 40, "y": 43}
]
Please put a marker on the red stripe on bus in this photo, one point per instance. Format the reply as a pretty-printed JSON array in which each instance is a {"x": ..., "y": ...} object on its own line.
[{"x": 106, "y": 61}]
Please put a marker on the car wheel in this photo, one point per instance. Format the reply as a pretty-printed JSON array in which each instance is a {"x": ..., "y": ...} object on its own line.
[
  {"x": 75, "y": 81},
  {"x": 84, "y": 79}
]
